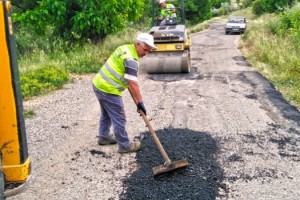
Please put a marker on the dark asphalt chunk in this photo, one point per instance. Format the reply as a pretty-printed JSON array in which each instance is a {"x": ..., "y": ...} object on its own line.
[{"x": 201, "y": 179}]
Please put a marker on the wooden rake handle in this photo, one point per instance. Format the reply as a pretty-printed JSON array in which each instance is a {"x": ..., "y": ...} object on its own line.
[
  {"x": 156, "y": 140},
  {"x": 153, "y": 134}
]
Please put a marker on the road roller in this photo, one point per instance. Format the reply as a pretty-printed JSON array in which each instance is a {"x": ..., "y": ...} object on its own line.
[{"x": 173, "y": 45}]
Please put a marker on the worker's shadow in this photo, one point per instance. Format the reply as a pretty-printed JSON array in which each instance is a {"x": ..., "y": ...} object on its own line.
[{"x": 201, "y": 179}]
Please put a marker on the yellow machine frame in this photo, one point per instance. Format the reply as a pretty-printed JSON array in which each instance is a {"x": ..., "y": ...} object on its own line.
[
  {"x": 13, "y": 143},
  {"x": 173, "y": 46}
]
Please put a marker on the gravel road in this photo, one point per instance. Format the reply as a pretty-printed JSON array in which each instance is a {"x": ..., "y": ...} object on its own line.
[{"x": 241, "y": 138}]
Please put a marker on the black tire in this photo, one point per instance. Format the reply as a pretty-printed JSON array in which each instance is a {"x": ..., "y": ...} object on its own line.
[
  {"x": 2, "y": 180},
  {"x": 226, "y": 32}
]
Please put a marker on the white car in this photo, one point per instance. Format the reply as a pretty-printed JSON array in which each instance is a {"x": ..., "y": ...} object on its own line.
[{"x": 236, "y": 24}]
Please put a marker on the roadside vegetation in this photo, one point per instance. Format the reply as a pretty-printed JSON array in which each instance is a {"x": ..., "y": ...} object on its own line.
[
  {"x": 29, "y": 114},
  {"x": 57, "y": 39},
  {"x": 43, "y": 70},
  {"x": 272, "y": 46}
]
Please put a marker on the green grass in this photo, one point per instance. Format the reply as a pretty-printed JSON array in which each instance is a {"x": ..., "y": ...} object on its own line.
[
  {"x": 28, "y": 114},
  {"x": 44, "y": 68},
  {"x": 42, "y": 80},
  {"x": 198, "y": 27},
  {"x": 275, "y": 57}
]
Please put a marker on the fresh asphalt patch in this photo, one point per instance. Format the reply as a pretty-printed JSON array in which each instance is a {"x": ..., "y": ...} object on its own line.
[{"x": 201, "y": 179}]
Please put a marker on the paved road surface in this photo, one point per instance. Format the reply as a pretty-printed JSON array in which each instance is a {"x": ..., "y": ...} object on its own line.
[{"x": 256, "y": 130}]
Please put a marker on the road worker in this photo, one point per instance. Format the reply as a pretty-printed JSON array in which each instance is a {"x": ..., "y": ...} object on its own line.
[
  {"x": 167, "y": 13},
  {"x": 118, "y": 73}
]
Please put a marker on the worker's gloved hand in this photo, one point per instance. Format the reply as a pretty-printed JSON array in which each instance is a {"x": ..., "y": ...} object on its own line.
[{"x": 141, "y": 106}]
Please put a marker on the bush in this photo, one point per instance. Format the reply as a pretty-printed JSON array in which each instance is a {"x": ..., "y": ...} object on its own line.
[
  {"x": 42, "y": 80},
  {"x": 288, "y": 23},
  {"x": 274, "y": 5},
  {"x": 227, "y": 8},
  {"x": 221, "y": 11},
  {"x": 258, "y": 7},
  {"x": 246, "y": 3},
  {"x": 293, "y": 15},
  {"x": 28, "y": 42}
]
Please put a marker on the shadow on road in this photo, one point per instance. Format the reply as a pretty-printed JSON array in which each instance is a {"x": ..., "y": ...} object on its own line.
[{"x": 193, "y": 75}]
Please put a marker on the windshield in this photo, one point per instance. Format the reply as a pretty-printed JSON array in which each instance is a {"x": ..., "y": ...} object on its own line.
[{"x": 238, "y": 21}]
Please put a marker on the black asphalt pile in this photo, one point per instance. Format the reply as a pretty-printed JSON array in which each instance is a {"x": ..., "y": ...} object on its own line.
[{"x": 201, "y": 179}]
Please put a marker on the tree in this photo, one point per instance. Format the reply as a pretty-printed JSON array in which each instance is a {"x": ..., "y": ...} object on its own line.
[
  {"x": 198, "y": 10},
  {"x": 218, "y": 3},
  {"x": 247, "y": 3},
  {"x": 257, "y": 7},
  {"x": 274, "y": 5},
  {"x": 79, "y": 19},
  {"x": 23, "y": 5}
]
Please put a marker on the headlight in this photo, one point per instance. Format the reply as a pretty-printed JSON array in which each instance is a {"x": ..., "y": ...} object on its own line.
[{"x": 178, "y": 46}]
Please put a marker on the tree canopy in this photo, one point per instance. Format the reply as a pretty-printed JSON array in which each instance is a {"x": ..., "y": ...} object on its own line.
[
  {"x": 77, "y": 19},
  {"x": 81, "y": 19}
]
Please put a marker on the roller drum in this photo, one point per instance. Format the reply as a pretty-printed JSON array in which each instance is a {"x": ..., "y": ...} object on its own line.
[{"x": 167, "y": 62}]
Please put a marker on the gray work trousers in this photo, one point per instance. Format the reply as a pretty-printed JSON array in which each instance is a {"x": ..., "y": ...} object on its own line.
[{"x": 112, "y": 113}]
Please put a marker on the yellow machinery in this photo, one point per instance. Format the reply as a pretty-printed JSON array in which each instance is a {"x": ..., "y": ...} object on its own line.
[
  {"x": 14, "y": 159},
  {"x": 173, "y": 46}
]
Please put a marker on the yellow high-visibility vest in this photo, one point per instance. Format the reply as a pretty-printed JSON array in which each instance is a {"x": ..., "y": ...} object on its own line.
[
  {"x": 110, "y": 78},
  {"x": 168, "y": 12}
]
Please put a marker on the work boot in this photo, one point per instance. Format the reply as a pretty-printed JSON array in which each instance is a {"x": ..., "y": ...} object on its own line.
[
  {"x": 133, "y": 147},
  {"x": 105, "y": 141}
]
